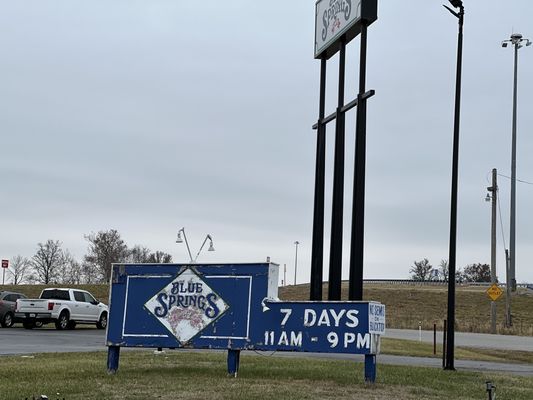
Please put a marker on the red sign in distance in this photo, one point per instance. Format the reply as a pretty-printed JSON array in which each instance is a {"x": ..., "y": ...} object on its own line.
[{"x": 5, "y": 263}]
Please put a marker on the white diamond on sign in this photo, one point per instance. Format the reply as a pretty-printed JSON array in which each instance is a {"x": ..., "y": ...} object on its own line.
[{"x": 186, "y": 306}]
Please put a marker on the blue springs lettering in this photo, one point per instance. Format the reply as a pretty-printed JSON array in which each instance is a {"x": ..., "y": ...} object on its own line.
[
  {"x": 330, "y": 16},
  {"x": 187, "y": 295}
]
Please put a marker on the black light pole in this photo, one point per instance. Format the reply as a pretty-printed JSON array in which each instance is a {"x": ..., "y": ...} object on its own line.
[{"x": 453, "y": 209}]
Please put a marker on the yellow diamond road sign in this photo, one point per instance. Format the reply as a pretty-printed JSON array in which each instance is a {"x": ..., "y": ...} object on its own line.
[{"x": 494, "y": 292}]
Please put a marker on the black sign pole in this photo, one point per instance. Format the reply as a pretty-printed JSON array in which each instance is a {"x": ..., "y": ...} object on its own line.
[
  {"x": 335, "y": 257},
  {"x": 355, "y": 290},
  {"x": 317, "y": 253}
]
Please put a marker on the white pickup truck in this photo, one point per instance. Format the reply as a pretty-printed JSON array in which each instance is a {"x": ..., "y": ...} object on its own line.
[{"x": 64, "y": 307}]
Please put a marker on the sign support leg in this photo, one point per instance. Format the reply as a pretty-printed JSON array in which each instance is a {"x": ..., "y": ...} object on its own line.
[
  {"x": 233, "y": 362},
  {"x": 370, "y": 368},
  {"x": 113, "y": 354}
]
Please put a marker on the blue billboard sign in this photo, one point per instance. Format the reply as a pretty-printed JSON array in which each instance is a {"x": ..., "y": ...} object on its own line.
[{"x": 231, "y": 307}]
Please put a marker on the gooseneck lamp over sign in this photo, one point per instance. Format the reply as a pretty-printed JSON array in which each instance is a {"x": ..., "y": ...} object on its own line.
[{"x": 180, "y": 239}]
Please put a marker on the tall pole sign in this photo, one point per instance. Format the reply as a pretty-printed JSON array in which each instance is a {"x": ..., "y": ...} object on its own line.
[{"x": 337, "y": 22}]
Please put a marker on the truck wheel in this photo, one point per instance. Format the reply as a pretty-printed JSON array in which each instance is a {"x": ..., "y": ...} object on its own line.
[
  {"x": 7, "y": 321},
  {"x": 28, "y": 324},
  {"x": 62, "y": 321},
  {"x": 102, "y": 322},
  {"x": 38, "y": 324}
]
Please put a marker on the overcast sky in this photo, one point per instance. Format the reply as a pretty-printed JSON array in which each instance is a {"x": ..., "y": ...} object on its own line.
[{"x": 149, "y": 116}]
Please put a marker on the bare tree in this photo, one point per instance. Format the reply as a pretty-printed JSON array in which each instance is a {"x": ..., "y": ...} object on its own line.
[
  {"x": 139, "y": 254},
  {"x": 477, "y": 273},
  {"x": 20, "y": 267},
  {"x": 444, "y": 270},
  {"x": 90, "y": 273},
  {"x": 421, "y": 271},
  {"x": 160, "y": 257},
  {"x": 47, "y": 261},
  {"x": 105, "y": 248},
  {"x": 70, "y": 271}
]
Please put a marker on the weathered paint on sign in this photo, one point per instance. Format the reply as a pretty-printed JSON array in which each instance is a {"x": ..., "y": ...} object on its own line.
[
  {"x": 231, "y": 307},
  {"x": 337, "y": 18},
  {"x": 322, "y": 327}
]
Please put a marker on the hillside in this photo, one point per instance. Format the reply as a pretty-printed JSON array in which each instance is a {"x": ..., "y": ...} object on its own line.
[{"x": 407, "y": 305}]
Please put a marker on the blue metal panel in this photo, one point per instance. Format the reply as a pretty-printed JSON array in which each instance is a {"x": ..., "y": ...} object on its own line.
[
  {"x": 227, "y": 307},
  {"x": 131, "y": 323},
  {"x": 326, "y": 327}
]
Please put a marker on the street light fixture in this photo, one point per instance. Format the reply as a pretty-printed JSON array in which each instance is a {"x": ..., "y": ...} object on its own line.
[
  {"x": 518, "y": 42},
  {"x": 179, "y": 239},
  {"x": 450, "y": 344}
]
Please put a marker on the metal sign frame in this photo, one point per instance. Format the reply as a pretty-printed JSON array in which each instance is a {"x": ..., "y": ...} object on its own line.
[
  {"x": 231, "y": 307},
  {"x": 349, "y": 16}
]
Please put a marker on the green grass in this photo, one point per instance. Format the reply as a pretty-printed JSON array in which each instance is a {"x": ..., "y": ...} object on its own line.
[
  {"x": 400, "y": 347},
  {"x": 191, "y": 375}
]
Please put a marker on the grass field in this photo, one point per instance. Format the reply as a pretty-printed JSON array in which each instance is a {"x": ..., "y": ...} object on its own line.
[
  {"x": 399, "y": 347},
  {"x": 195, "y": 376},
  {"x": 407, "y": 305}
]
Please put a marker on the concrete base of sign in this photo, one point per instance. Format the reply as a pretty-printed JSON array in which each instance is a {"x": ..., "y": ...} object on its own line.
[
  {"x": 233, "y": 362},
  {"x": 113, "y": 355},
  {"x": 370, "y": 368}
]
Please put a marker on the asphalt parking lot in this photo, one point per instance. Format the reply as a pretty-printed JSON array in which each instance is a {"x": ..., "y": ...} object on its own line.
[{"x": 18, "y": 340}]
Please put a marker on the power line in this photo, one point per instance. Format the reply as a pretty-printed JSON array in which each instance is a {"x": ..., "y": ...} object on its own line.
[
  {"x": 501, "y": 221},
  {"x": 518, "y": 180}
]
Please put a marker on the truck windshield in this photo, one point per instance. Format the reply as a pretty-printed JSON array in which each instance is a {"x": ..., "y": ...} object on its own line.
[{"x": 55, "y": 294}]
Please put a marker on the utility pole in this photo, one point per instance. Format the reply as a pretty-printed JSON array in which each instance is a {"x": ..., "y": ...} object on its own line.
[
  {"x": 508, "y": 319},
  {"x": 494, "y": 195},
  {"x": 296, "y": 260},
  {"x": 284, "y": 274},
  {"x": 518, "y": 42}
]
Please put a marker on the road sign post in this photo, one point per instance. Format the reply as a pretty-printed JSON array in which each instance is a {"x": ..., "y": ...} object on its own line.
[
  {"x": 494, "y": 292},
  {"x": 5, "y": 265},
  {"x": 232, "y": 307}
]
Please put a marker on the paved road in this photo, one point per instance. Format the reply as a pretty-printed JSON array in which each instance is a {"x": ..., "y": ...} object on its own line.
[
  {"x": 24, "y": 341},
  {"x": 21, "y": 341},
  {"x": 503, "y": 342}
]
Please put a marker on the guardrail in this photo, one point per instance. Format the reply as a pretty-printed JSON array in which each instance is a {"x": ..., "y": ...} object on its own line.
[{"x": 439, "y": 282}]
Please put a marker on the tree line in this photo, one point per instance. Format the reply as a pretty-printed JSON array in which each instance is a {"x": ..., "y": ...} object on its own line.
[
  {"x": 423, "y": 271},
  {"x": 52, "y": 264}
]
